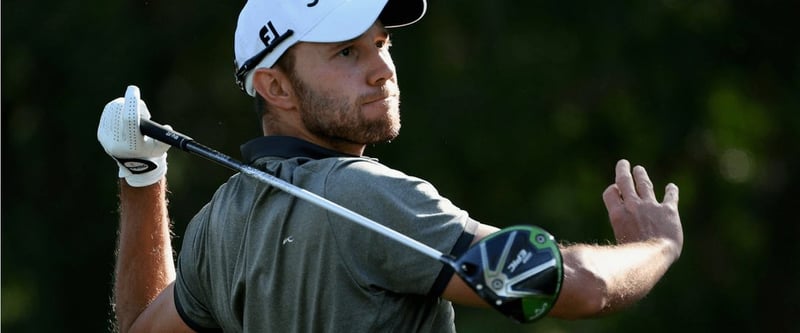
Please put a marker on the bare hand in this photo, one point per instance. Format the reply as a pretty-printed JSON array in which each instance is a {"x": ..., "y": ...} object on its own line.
[{"x": 635, "y": 213}]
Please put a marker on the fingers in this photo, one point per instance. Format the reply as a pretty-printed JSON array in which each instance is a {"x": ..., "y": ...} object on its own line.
[
  {"x": 671, "y": 195},
  {"x": 644, "y": 187},
  {"x": 636, "y": 185},
  {"x": 130, "y": 112},
  {"x": 614, "y": 203},
  {"x": 624, "y": 181},
  {"x": 107, "y": 130},
  {"x": 132, "y": 97},
  {"x": 132, "y": 94},
  {"x": 611, "y": 196}
]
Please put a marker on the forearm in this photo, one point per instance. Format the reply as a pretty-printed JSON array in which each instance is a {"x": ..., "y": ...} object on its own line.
[
  {"x": 144, "y": 264},
  {"x": 603, "y": 279}
]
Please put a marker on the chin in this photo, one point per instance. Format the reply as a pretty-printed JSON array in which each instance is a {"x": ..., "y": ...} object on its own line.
[{"x": 381, "y": 132}]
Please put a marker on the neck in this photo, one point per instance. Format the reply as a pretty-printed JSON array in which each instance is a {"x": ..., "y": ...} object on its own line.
[{"x": 276, "y": 127}]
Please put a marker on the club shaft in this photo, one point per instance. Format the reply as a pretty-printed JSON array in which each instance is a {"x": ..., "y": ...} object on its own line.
[{"x": 187, "y": 144}]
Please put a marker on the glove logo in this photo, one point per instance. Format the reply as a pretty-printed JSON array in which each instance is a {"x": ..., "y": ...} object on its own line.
[{"x": 137, "y": 166}]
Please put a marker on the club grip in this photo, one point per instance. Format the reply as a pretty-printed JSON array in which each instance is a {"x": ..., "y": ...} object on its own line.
[{"x": 163, "y": 134}]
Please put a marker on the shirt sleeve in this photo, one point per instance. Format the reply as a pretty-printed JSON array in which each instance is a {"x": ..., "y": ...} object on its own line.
[
  {"x": 188, "y": 302},
  {"x": 408, "y": 205}
]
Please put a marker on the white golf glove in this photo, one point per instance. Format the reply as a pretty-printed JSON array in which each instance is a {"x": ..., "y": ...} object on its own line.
[{"x": 142, "y": 160}]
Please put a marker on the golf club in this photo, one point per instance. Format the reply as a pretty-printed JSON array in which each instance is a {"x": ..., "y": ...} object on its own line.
[{"x": 517, "y": 270}]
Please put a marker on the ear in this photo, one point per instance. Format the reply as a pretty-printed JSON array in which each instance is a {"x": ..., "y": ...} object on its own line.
[{"x": 274, "y": 86}]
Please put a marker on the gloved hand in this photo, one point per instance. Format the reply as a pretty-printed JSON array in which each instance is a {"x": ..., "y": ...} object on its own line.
[{"x": 142, "y": 160}]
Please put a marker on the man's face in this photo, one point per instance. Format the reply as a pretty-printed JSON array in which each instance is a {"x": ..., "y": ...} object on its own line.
[{"x": 348, "y": 91}]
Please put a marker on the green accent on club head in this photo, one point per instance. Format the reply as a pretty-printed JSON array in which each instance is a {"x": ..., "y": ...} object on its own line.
[{"x": 535, "y": 307}]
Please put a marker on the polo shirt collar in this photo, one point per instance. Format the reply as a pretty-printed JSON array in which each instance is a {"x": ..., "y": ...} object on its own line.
[{"x": 285, "y": 147}]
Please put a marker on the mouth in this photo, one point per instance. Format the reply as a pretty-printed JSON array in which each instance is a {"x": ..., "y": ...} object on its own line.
[{"x": 382, "y": 98}]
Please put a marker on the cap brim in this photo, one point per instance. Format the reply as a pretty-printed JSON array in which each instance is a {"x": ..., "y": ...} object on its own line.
[
  {"x": 398, "y": 13},
  {"x": 347, "y": 21},
  {"x": 352, "y": 18}
]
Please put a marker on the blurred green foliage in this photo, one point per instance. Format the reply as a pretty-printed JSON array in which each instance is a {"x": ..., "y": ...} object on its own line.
[{"x": 516, "y": 110}]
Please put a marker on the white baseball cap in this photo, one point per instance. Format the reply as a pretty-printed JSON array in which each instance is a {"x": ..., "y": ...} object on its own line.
[{"x": 267, "y": 28}]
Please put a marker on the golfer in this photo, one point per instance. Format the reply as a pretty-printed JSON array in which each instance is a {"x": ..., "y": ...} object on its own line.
[{"x": 256, "y": 259}]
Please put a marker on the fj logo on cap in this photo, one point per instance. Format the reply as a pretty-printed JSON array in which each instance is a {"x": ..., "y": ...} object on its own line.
[{"x": 268, "y": 34}]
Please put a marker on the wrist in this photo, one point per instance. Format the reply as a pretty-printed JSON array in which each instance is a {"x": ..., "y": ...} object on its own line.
[
  {"x": 669, "y": 247},
  {"x": 143, "y": 172}
]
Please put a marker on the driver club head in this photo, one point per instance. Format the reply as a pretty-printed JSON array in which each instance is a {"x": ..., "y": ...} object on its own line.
[{"x": 517, "y": 270}]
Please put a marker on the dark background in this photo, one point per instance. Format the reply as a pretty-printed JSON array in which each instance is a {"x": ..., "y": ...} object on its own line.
[{"x": 516, "y": 110}]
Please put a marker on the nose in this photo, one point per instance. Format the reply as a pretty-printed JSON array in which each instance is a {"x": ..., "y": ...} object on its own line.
[{"x": 381, "y": 68}]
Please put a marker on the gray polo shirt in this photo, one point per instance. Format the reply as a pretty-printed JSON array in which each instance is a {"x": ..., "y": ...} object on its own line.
[{"x": 256, "y": 259}]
